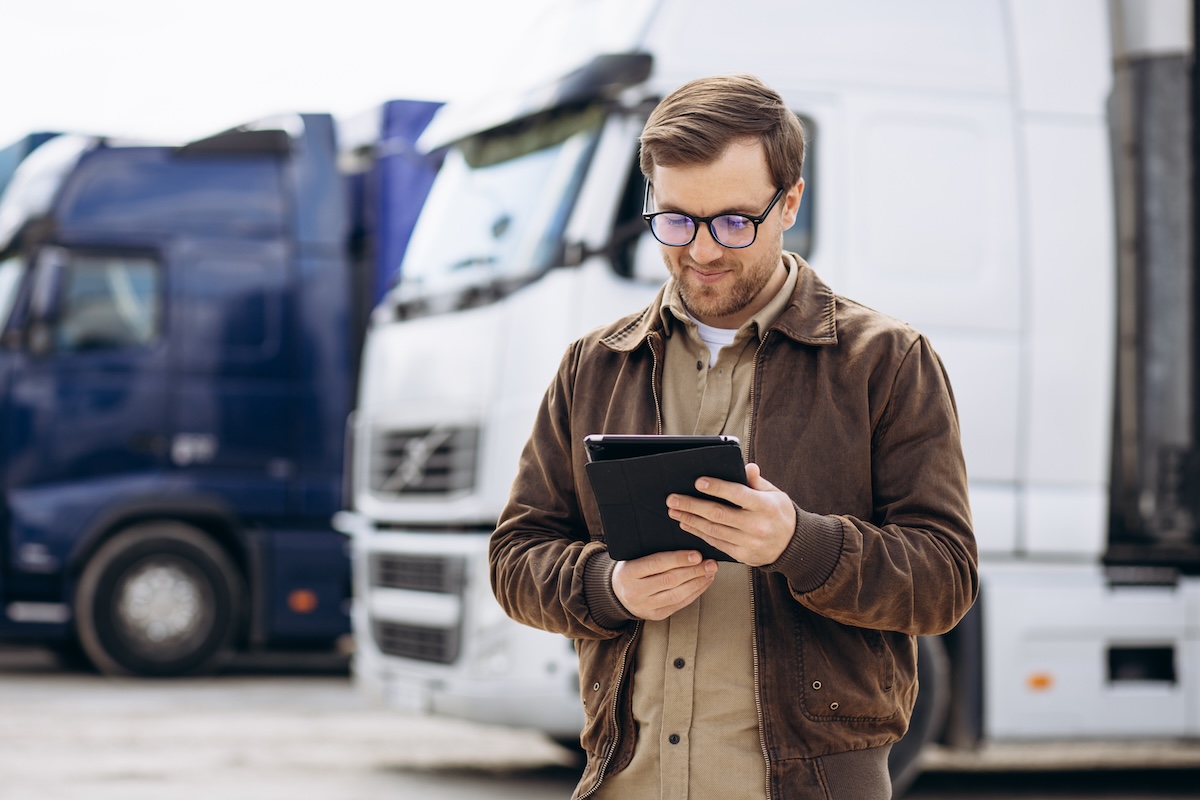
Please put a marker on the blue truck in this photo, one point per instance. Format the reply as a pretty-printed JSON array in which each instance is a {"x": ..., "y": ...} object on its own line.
[{"x": 178, "y": 360}]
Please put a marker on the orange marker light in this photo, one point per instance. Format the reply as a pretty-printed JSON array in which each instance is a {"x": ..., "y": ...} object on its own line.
[
  {"x": 1040, "y": 681},
  {"x": 302, "y": 601}
]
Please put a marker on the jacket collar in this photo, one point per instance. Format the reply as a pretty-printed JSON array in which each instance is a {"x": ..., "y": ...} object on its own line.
[{"x": 810, "y": 317}]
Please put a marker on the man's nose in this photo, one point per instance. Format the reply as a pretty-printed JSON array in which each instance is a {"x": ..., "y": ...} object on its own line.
[{"x": 704, "y": 248}]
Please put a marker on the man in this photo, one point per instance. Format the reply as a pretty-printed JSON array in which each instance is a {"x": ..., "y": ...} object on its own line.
[{"x": 791, "y": 673}]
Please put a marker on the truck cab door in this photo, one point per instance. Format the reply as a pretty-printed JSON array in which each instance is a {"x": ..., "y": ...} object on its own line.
[
  {"x": 233, "y": 398},
  {"x": 87, "y": 413}
]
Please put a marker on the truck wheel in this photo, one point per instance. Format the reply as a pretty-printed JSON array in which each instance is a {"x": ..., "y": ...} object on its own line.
[
  {"x": 929, "y": 714},
  {"x": 158, "y": 599}
]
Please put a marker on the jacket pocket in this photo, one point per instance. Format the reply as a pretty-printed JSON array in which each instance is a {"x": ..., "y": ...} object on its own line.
[{"x": 846, "y": 673}]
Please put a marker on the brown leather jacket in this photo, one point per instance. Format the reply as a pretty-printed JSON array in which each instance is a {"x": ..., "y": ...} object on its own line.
[{"x": 853, "y": 416}]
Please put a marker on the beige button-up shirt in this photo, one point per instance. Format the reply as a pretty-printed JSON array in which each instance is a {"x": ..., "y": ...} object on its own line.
[{"x": 693, "y": 684}]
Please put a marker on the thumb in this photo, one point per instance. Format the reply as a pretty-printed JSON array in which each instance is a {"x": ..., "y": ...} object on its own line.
[{"x": 756, "y": 481}]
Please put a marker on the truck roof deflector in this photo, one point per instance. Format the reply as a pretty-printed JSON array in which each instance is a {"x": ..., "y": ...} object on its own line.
[{"x": 602, "y": 78}]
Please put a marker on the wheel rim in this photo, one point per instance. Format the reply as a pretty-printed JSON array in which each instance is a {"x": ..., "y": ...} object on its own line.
[{"x": 161, "y": 606}]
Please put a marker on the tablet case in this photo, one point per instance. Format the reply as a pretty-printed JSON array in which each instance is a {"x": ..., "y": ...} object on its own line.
[{"x": 632, "y": 495}]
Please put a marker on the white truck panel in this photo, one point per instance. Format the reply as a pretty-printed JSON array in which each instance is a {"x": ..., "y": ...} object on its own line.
[
  {"x": 932, "y": 212},
  {"x": 994, "y": 512},
  {"x": 1065, "y": 520},
  {"x": 1061, "y": 54},
  {"x": 1071, "y": 303},
  {"x": 985, "y": 374},
  {"x": 1050, "y": 632},
  {"x": 931, "y": 44}
]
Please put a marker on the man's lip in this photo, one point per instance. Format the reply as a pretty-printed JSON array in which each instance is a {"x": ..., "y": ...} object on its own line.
[{"x": 708, "y": 276}]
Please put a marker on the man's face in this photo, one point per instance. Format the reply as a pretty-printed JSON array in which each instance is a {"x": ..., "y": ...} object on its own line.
[{"x": 720, "y": 286}]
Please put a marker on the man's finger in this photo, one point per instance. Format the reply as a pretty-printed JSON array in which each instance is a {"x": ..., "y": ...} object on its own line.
[{"x": 658, "y": 563}]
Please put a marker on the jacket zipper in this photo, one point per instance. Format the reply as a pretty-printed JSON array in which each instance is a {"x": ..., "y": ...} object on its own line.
[
  {"x": 612, "y": 748},
  {"x": 762, "y": 733},
  {"x": 658, "y": 417},
  {"x": 753, "y": 399}
]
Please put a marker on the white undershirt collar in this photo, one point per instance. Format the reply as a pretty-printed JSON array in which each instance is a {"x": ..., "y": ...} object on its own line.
[{"x": 715, "y": 338}]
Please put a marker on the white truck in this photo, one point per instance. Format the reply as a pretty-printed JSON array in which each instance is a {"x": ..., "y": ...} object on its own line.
[{"x": 979, "y": 169}]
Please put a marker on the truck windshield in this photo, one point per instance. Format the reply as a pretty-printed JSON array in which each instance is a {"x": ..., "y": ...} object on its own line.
[
  {"x": 496, "y": 212},
  {"x": 36, "y": 181}
]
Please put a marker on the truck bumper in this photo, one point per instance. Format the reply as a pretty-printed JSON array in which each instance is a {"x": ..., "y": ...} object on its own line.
[{"x": 430, "y": 637}]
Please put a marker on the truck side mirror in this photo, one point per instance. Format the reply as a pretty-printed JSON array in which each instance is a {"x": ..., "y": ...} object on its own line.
[{"x": 648, "y": 265}]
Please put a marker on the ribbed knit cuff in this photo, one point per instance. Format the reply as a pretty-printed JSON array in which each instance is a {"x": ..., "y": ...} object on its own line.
[
  {"x": 811, "y": 556},
  {"x": 598, "y": 593}
]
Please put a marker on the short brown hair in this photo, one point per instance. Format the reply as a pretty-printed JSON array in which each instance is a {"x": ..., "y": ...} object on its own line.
[{"x": 696, "y": 123}]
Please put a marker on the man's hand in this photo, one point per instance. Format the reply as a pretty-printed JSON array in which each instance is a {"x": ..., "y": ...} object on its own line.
[
  {"x": 756, "y": 533},
  {"x": 656, "y": 586}
]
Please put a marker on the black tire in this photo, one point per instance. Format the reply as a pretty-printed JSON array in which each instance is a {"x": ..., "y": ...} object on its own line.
[
  {"x": 928, "y": 717},
  {"x": 159, "y": 599}
]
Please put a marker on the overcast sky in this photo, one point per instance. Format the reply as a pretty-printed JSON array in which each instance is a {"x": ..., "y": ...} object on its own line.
[{"x": 171, "y": 70}]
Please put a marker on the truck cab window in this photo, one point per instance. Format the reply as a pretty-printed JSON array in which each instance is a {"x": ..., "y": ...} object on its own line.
[
  {"x": 109, "y": 302},
  {"x": 799, "y": 238}
]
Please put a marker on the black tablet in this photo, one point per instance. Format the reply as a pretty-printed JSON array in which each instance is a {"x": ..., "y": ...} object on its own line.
[{"x": 631, "y": 477}]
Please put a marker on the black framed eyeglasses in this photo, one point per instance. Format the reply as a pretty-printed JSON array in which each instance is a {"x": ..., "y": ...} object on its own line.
[{"x": 676, "y": 229}]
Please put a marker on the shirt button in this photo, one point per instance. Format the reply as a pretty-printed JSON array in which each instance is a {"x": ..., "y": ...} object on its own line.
[
  {"x": 673, "y": 738},
  {"x": 679, "y": 663}
]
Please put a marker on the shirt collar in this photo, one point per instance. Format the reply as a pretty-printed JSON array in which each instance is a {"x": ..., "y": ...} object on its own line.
[{"x": 810, "y": 317}]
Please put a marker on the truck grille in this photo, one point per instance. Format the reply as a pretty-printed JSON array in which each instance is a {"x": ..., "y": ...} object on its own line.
[
  {"x": 418, "y": 573},
  {"x": 439, "y": 645},
  {"x": 435, "y": 461}
]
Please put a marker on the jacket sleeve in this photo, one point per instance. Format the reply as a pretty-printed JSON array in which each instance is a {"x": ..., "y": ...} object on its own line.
[
  {"x": 540, "y": 555},
  {"x": 912, "y": 567}
]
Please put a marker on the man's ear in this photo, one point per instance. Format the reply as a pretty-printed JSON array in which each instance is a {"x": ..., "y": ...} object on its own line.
[{"x": 791, "y": 204}]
